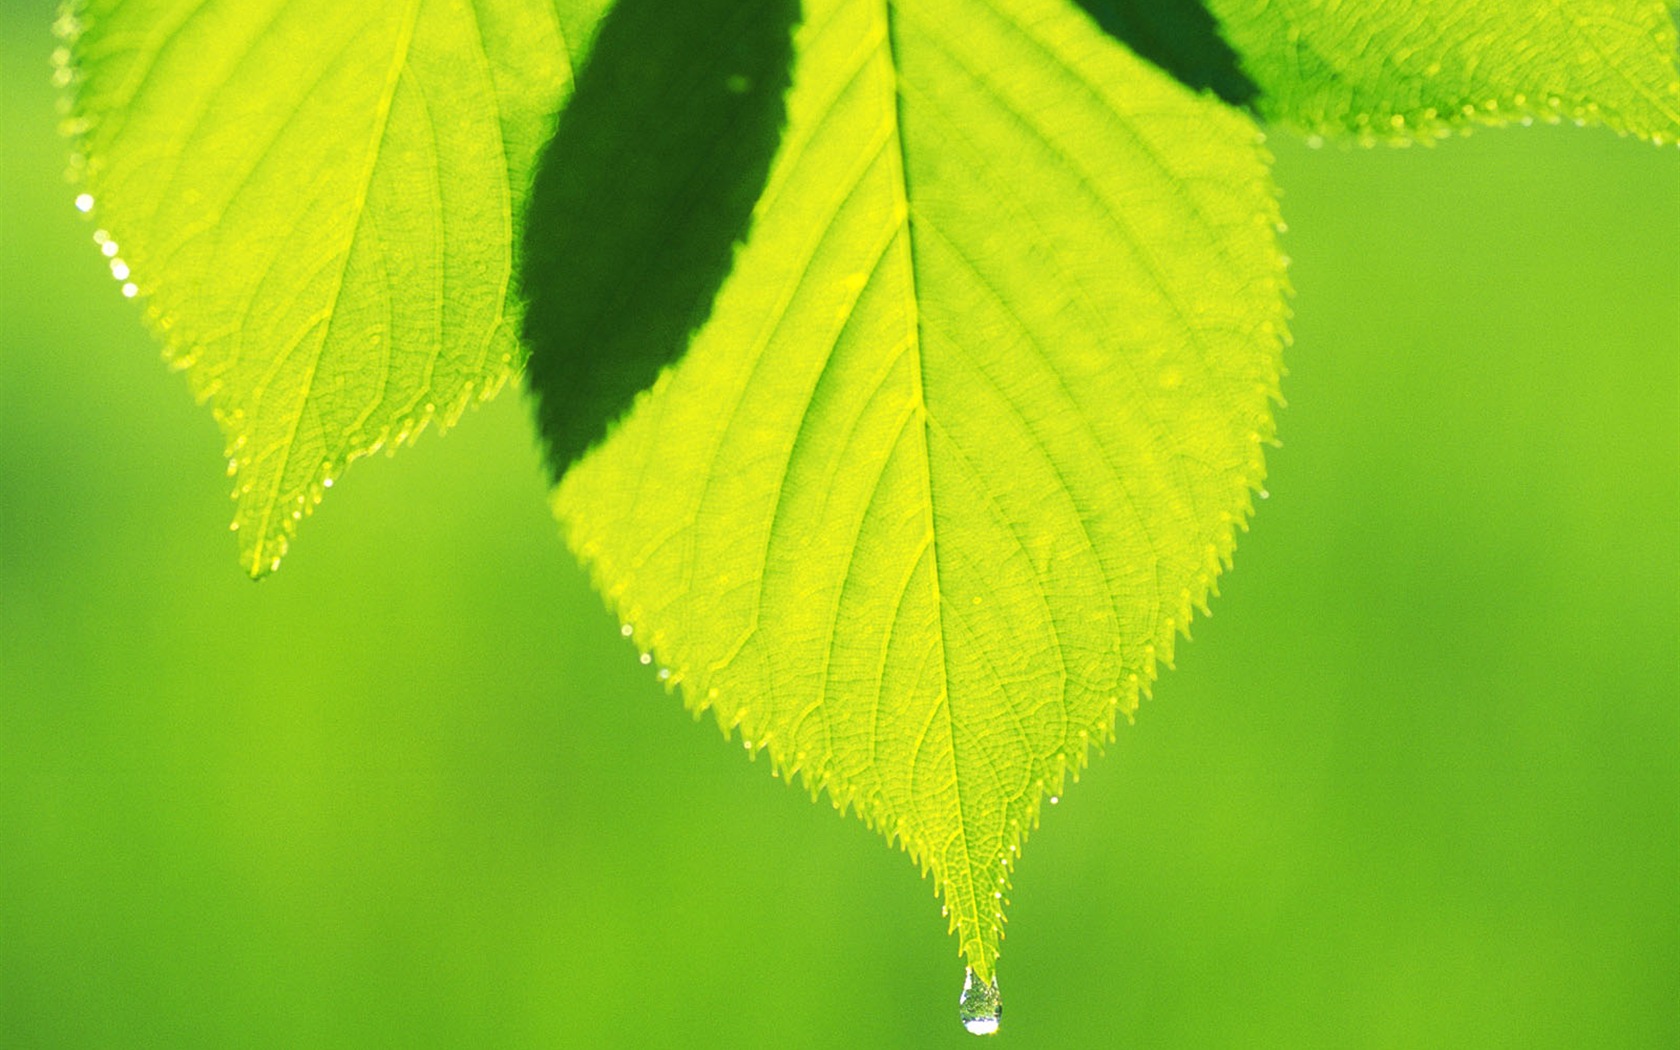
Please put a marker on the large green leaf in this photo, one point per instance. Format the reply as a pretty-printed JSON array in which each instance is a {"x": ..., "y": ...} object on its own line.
[
  {"x": 319, "y": 199},
  {"x": 969, "y": 432},
  {"x": 1404, "y": 68}
]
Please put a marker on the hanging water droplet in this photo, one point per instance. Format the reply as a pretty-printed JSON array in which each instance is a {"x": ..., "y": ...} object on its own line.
[
  {"x": 980, "y": 1007},
  {"x": 84, "y": 203},
  {"x": 647, "y": 658},
  {"x": 1055, "y": 800},
  {"x": 130, "y": 290},
  {"x": 626, "y": 630}
]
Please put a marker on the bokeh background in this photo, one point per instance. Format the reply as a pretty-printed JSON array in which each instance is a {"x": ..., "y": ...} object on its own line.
[{"x": 1416, "y": 783}]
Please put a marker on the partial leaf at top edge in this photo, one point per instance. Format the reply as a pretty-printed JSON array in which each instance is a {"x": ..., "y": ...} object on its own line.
[
  {"x": 969, "y": 431},
  {"x": 642, "y": 195},
  {"x": 1402, "y": 69},
  {"x": 318, "y": 200}
]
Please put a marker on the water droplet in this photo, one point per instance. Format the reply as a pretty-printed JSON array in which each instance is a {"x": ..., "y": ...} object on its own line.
[
  {"x": 84, "y": 203},
  {"x": 647, "y": 658},
  {"x": 326, "y": 483},
  {"x": 109, "y": 249},
  {"x": 1055, "y": 800},
  {"x": 980, "y": 1007},
  {"x": 130, "y": 290},
  {"x": 626, "y": 630},
  {"x": 119, "y": 269},
  {"x": 664, "y": 674}
]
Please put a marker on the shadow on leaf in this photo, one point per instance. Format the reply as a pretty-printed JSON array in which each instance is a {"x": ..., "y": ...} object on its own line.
[
  {"x": 640, "y": 199},
  {"x": 1182, "y": 38}
]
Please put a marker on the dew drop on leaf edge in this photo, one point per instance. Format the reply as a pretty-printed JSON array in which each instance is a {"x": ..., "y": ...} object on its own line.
[{"x": 980, "y": 1007}]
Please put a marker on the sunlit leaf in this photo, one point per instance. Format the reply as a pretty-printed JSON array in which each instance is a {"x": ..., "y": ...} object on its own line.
[
  {"x": 969, "y": 432},
  {"x": 319, "y": 202},
  {"x": 1404, "y": 68}
]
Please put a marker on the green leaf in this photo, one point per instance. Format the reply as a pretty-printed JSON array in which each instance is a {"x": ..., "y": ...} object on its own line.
[
  {"x": 969, "y": 431},
  {"x": 319, "y": 201},
  {"x": 1407, "y": 68}
]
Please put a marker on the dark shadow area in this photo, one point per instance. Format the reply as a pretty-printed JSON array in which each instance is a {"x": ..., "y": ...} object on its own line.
[
  {"x": 1180, "y": 36},
  {"x": 640, "y": 198}
]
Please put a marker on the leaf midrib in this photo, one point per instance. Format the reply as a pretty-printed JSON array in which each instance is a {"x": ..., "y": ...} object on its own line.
[{"x": 901, "y": 159}]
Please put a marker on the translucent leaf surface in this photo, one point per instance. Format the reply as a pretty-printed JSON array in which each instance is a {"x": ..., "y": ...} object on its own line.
[
  {"x": 318, "y": 200},
  {"x": 1402, "y": 68},
  {"x": 969, "y": 431}
]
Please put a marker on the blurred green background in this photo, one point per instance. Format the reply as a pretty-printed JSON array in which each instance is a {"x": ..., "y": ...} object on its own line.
[{"x": 1416, "y": 783}]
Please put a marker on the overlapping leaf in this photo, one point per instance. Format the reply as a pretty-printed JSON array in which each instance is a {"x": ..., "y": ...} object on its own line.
[
  {"x": 1420, "y": 67},
  {"x": 969, "y": 431},
  {"x": 319, "y": 200}
]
